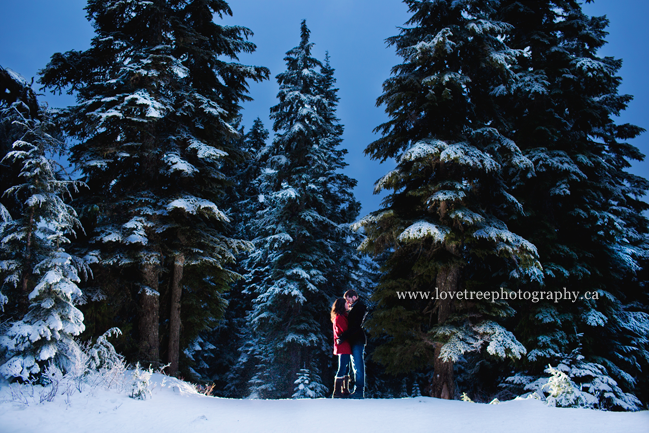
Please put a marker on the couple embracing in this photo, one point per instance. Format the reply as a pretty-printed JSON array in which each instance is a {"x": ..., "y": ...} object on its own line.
[{"x": 347, "y": 315}]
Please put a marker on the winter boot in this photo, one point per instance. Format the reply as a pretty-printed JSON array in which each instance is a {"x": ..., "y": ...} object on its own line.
[
  {"x": 338, "y": 388},
  {"x": 346, "y": 381},
  {"x": 357, "y": 394}
]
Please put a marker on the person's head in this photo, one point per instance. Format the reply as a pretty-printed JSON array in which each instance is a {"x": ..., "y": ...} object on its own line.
[
  {"x": 338, "y": 308},
  {"x": 351, "y": 297}
]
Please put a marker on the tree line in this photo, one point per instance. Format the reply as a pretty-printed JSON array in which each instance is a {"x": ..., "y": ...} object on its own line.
[{"x": 218, "y": 251}]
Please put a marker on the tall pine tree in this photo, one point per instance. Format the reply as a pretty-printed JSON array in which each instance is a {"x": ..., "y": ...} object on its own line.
[
  {"x": 156, "y": 97},
  {"x": 216, "y": 351},
  {"x": 444, "y": 225},
  {"x": 301, "y": 234},
  {"x": 584, "y": 210}
]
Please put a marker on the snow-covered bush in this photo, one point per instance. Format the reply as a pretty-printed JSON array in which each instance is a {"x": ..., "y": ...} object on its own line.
[
  {"x": 53, "y": 377},
  {"x": 575, "y": 383},
  {"x": 96, "y": 365},
  {"x": 564, "y": 392},
  {"x": 141, "y": 386},
  {"x": 104, "y": 366},
  {"x": 102, "y": 353},
  {"x": 466, "y": 398},
  {"x": 307, "y": 386}
]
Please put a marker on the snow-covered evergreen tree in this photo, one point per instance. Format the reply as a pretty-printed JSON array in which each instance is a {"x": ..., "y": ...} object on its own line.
[
  {"x": 444, "y": 225},
  {"x": 216, "y": 352},
  {"x": 307, "y": 385},
  {"x": 13, "y": 90},
  {"x": 157, "y": 93},
  {"x": 584, "y": 210},
  {"x": 301, "y": 235},
  {"x": 37, "y": 273}
]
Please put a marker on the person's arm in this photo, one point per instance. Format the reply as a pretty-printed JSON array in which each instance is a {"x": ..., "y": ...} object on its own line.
[
  {"x": 350, "y": 328},
  {"x": 355, "y": 319}
]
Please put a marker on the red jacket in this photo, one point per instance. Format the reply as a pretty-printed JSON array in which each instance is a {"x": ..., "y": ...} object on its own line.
[{"x": 340, "y": 326}]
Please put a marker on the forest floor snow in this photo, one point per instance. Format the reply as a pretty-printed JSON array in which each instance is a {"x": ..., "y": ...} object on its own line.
[{"x": 175, "y": 406}]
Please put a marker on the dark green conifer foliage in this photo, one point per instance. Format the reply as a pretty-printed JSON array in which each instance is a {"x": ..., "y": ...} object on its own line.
[
  {"x": 157, "y": 94},
  {"x": 216, "y": 352},
  {"x": 444, "y": 223},
  {"x": 583, "y": 209}
]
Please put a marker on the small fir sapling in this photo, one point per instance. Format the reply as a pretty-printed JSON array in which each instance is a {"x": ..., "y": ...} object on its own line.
[
  {"x": 141, "y": 386},
  {"x": 308, "y": 385}
]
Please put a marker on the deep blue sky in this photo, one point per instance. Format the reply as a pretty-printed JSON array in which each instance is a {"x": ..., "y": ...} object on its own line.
[{"x": 353, "y": 31}]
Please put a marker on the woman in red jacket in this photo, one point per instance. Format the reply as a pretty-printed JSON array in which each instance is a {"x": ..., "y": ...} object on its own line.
[{"x": 343, "y": 350}]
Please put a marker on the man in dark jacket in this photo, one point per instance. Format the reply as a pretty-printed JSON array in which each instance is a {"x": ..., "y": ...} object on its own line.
[{"x": 357, "y": 310}]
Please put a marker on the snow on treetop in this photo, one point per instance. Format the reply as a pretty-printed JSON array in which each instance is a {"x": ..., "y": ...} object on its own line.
[
  {"x": 136, "y": 238},
  {"x": 50, "y": 278},
  {"x": 298, "y": 272},
  {"x": 502, "y": 234},
  {"x": 180, "y": 70},
  {"x": 422, "y": 149},
  {"x": 205, "y": 151},
  {"x": 17, "y": 77},
  {"x": 278, "y": 240},
  {"x": 194, "y": 205},
  {"x": 142, "y": 97},
  {"x": 61, "y": 284},
  {"x": 387, "y": 181},
  {"x": 594, "y": 318},
  {"x": 424, "y": 229},
  {"x": 446, "y": 195},
  {"x": 210, "y": 107},
  {"x": 445, "y": 77},
  {"x": 555, "y": 160},
  {"x": 108, "y": 114},
  {"x": 465, "y": 154},
  {"x": 371, "y": 219},
  {"x": 502, "y": 343},
  {"x": 287, "y": 192},
  {"x": 5, "y": 216},
  {"x": 460, "y": 153},
  {"x": 466, "y": 216},
  {"x": 441, "y": 42},
  {"x": 136, "y": 226},
  {"x": 592, "y": 67},
  {"x": 479, "y": 27},
  {"x": 37, "y": 200},
  {"x": 177, "y": 164}
]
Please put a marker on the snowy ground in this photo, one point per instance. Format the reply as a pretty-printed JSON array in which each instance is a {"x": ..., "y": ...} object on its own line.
[{"x": 176, "y": 407}]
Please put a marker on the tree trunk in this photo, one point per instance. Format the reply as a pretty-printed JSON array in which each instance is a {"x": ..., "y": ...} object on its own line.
[
  {"x": 174, "y": 318},
  {"x": 149, "y": 316},
  {"x": 443, "y": 384}
]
